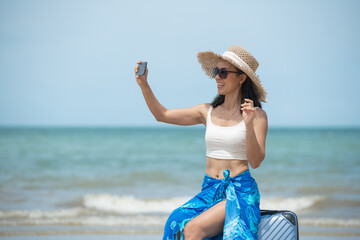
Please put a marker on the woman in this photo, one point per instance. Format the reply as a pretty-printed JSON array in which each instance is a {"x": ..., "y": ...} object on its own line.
[{"x": 236, "y": 126}]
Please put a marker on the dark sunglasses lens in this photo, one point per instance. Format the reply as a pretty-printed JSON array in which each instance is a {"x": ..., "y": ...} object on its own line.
[{"x": 223, "y": 73}]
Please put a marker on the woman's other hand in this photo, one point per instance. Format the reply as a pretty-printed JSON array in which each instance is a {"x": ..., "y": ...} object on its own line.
[{"x": 248, "y": 111}]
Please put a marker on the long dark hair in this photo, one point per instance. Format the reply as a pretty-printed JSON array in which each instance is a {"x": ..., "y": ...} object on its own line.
[{"x": 246, "y": 91}]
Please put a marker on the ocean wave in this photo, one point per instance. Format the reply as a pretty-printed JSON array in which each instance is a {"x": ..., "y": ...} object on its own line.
[
  {"x": 141, "y": 221},
  {"x": 113, "y": 210},
  {"x": 330, "y": 222},
  {"x": 294, "y": 204},
  {"x": 134, "y": 220},
  {"x": 41, "y": 214},
  {"x": 130, "y": 204}
]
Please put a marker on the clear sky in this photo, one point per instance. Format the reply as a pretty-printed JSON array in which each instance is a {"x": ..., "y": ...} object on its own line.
[{"x": 66, "y": 62}]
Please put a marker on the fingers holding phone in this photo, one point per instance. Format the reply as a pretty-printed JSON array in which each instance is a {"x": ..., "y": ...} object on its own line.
[{"x": 141, "y": 72}]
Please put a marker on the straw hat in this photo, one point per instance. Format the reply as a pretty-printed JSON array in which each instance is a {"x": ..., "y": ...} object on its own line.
[{"x": 241, "y": 59}]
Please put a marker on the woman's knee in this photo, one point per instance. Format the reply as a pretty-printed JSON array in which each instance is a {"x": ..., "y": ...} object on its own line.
[{"x": 193, "y": 231}]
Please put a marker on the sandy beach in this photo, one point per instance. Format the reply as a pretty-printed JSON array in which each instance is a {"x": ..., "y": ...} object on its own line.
[
  {"x": 150, "y": 237},
  {"x": 88, "y": 233}
]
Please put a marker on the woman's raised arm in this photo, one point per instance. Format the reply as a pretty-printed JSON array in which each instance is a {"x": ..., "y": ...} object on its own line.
[{"x": 180, "y": 116}]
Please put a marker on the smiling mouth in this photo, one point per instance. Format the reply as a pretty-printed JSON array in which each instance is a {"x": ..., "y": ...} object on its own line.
[{"x": 220, "y": 85}]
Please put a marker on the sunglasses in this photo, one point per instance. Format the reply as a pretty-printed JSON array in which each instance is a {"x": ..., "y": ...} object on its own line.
[{"x": 222, "y": 72}]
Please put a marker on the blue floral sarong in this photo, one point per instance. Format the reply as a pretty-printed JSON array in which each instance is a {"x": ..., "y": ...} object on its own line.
[{"x": 242, "y": 210}]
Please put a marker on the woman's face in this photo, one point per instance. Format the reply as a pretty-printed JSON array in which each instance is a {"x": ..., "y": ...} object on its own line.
[{"x": 232, "y": 83}]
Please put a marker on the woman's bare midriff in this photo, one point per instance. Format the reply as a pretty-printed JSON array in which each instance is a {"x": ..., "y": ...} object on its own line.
[{"x": 215, "y": 167}]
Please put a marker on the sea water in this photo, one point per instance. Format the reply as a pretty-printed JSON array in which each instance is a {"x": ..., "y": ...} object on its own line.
[{"x": 127, "y": 180}]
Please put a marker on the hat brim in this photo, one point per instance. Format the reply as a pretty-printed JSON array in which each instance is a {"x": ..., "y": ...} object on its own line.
[{"x": 209, "y": 60}]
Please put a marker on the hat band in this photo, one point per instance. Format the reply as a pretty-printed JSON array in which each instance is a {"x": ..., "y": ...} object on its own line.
[{"x": 236, "y": 59}]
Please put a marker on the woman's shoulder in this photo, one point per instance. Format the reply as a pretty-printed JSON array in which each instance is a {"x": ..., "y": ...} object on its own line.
[
  {"x": 203, "y": 109},
  {"x": 260, "y": 114},
  {"x": 203, "y": 106},
  {"x": 259, "y": 110}
]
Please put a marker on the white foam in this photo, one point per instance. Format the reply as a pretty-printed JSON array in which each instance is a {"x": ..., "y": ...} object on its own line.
[
  {"x": 114, "y": 210},
  {"x": 329, "y": 222},
  {"x": 131, "y": 205},
  {"x": 134, "y": 220},
  {"x": 34, "y": 214},
  {"x": 292, "y": 204}
]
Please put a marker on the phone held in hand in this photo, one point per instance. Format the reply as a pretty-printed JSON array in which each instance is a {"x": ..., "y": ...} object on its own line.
[{"x": 142, "y": 69}]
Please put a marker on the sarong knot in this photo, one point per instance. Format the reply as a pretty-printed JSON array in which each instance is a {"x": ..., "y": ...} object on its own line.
[{"x": 226, "y": 178}]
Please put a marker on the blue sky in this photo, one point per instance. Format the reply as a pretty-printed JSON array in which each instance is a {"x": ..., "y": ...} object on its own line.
[{"x": 70, "y": 63}]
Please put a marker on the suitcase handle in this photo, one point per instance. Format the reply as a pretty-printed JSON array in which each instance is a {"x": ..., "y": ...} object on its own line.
[{"x": 289, "y": 215}]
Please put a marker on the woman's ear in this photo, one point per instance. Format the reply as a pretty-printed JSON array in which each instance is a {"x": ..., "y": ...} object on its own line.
[{"x": 242, "y": 78}]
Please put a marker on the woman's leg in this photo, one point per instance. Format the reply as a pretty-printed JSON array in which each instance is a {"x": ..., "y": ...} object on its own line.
[{"x": 208, "y": 224}]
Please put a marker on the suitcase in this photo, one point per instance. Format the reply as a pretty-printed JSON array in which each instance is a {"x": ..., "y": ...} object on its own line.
[{"x": 278, "y": 225}]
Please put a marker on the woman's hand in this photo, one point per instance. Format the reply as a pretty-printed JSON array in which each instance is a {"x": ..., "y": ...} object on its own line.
[
  {"x": 141, "y": 80},
  {"x": 248, "y": 111}
]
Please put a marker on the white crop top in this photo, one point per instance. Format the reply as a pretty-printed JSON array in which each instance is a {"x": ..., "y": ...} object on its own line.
[{"x": 225, "y": 142}]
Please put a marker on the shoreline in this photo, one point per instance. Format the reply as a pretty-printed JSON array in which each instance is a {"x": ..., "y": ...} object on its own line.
[
  {"x": 307, "y": 233},
  {"x": 149, "y": 237}
]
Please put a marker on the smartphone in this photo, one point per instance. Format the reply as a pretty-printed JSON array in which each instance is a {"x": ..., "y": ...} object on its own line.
[{"x": 142, "y": 69}]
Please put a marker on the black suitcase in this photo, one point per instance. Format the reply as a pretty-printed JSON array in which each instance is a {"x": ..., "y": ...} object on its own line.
[{"x": 278, "y": 225}]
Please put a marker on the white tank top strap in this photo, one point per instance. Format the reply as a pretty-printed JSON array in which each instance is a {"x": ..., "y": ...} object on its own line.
[{"x": 208, "y": 120}]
